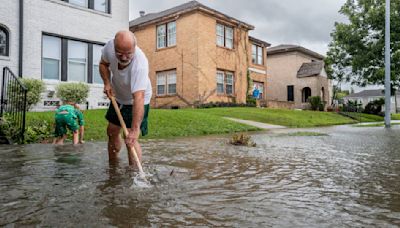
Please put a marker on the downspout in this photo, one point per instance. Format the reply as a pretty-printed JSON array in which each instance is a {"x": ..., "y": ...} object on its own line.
[{"x": 21, "y": 36}]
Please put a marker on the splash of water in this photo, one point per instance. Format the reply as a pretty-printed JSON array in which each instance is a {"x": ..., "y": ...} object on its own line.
[{"x": 140, "y": 181}]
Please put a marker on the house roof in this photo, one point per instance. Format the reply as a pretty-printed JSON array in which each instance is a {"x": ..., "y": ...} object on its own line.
[
  {"x": 367, "y": 93},
  {"x": 181, "y": 9},
  {"x": 310, "y": 69},
  {"x": 284, "y": 48},
  {"x": 258, "y": 41}
]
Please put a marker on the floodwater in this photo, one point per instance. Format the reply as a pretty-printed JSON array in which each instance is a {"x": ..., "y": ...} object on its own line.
[{"x": 350, "y": 178}]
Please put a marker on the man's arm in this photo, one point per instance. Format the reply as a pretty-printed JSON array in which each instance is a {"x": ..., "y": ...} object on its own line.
[
  {"x": 138, "y": 112},
  {"x": 105, "y": 75}
]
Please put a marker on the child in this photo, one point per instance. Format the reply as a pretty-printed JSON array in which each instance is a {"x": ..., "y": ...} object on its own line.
[{"x": 66, "y": 118}]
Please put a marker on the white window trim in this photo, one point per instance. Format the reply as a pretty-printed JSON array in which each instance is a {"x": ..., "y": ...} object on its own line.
[
  {"x": 166, "y": 35},
  {"x": 224, "y": 77},
  {"x": 225, "y": 36},
  {"x": 166, "y": 74}
]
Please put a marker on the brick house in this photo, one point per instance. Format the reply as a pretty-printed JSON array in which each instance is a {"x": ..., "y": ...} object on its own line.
[
  {"x": 59, "y": 41},
  {"x": 199, "y": 55},
  {"x": 294, "y": 74}
]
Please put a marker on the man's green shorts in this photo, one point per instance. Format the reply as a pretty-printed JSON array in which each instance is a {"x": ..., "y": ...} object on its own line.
[
  {"x": 126, "y": 112},
  {"x": 64, "y": 122}
]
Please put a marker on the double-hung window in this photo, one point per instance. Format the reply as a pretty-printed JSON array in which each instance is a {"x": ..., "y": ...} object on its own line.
[
  {"x": 257, "y": 56},
  {"x": 224, "y": 36},
  {"x": 225, "y": 82},
  {"x": 166, "y": 83},
  {"x": 166, "y": 35}
]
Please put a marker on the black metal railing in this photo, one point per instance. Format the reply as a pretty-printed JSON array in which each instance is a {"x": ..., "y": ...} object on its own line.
[{"x": 13, "y": 103}]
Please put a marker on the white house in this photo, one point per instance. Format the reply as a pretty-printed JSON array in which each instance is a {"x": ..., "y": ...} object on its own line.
[
  {"x": 366, "y": 96},
  {"x": 59, "y": 41}
]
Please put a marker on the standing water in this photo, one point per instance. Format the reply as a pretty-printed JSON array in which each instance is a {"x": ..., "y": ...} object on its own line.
[{"x": 349, "y": 178}]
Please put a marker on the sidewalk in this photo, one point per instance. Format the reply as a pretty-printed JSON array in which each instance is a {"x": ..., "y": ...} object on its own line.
[{"x": 256, "y": 124}]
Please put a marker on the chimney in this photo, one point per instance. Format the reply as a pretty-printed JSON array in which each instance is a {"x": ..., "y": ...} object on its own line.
[{"x": 142, "y": 13}]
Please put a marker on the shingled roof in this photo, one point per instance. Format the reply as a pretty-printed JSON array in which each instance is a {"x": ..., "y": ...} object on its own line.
[
  {"x": 284, "y": 48},
  {"x": 181, "y": 9},
  {"x": 368, "y": 93},
  {"x": 310, "y": 69},
  {"x": 258, "y": 41}
]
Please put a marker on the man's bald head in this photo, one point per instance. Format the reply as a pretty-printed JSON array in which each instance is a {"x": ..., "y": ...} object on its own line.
[{"x": 124, "y": 45}]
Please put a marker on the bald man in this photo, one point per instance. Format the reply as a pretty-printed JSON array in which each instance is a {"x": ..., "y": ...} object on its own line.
[{"x": 125, "y": 72}]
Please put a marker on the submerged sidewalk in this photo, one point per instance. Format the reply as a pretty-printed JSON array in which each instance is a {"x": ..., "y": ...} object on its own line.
[{"x": 256, "y": 124}]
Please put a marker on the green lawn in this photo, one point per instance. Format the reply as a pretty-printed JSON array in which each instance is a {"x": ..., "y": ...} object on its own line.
[
  {"x": 195, "y": 122},
  {"x": 162, "y": 124},
  {"x": 396, "y": 116},
  {"x": 363, "y": 117},
  {"x": 289, "y": 118}
]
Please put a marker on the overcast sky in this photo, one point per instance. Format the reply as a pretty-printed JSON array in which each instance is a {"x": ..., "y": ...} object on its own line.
[{"x": 301, "y": 22}]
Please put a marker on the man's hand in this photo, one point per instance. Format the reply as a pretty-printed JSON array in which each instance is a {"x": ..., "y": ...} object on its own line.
[
  {"x": 108, "y": 90},
  {"x": 132, "y": 137}
]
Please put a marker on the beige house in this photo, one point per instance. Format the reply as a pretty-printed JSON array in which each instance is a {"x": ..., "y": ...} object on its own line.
[
  {"x": 199, "y": 55},
  {"x": 294, "y": 74}
]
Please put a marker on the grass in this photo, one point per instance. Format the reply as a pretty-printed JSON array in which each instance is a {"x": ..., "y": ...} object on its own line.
[
  {"x": 363, "y": 117},
  {"x": 162, "y": 124},
  {"x": 196, "y": 122},
  {"x": 396, "y": 116},
  {"x": 304, "y": 133},
  {"x": 288, "y": 118}
]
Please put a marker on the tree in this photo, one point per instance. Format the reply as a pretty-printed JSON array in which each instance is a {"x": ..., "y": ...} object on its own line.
[{"x": 356, "y": 52}]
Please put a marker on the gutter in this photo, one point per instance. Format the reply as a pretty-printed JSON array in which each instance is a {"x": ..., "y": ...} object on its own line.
[{"x": 21, "y": 36}]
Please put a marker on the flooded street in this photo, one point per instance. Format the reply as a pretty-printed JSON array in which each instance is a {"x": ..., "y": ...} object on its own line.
[{"x": 349, "y": 178}]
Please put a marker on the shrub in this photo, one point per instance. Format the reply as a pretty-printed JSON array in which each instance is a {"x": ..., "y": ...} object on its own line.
[
  {"x": 73, "y": 92},
  {"x": 38, "y": 131},
  {"x": 223, "y": 104},
  {"x": 316, "y": 103},
  {"x": 374, "y": 107},
  {"x": 251, "y": 101},
  {"x": 34, "y": 89},
  {"x": 9, "y": 128}
]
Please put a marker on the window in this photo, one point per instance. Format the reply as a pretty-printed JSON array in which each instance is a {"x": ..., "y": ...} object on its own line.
[
  {"x": 96, "y": 60},
  {"x": 4, "y": 42},
  {"x": 98, "y": 5},
  {"x": 67, "y": 59},
  {"x": 101, "y": 5},
  {"x": 257, "y": 56},
  {"x": 166, "y": 83},
  {"x": 224, "y": 36},
  {"x": 306, "y": 93},
  {"x": 83, "y": 3},
  {"x": 166, "y": 35},
  {"x": 51, "y": 63},
  {"x": 77, "y": 61},
  {"x": 225, "y": 82},
  {"x": 290, "y": 93}
]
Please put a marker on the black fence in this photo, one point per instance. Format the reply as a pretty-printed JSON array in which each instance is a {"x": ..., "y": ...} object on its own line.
[{"x": 13, "y": 103}]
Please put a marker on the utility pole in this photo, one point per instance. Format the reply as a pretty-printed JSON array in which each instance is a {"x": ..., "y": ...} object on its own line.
[{"x": 387, "y": 66}]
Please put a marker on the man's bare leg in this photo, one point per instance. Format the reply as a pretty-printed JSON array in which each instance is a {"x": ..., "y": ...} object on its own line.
[{"x": 114, "y": 141}]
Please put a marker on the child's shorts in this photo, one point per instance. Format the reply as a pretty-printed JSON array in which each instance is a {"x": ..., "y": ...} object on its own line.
[{"x": 64, "y": 122}]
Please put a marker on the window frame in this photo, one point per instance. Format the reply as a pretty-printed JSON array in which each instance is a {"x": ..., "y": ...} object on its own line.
[
  {"x": 86, "y": 76},
  {"x": 63, "y": 68},
  {"x": 225, "y": 37},
  {"x": 166, "y": 36},
  {"x": 166, "y": 74},
  {"x": 59, "y": 60},
  {"x": 7, "y": 33},
  {"x": 225, "y": 74},
  {"x": 292, "y": 90},
  {"x": 91, "y": 5},
  {"x": 257, "y": 54}
]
